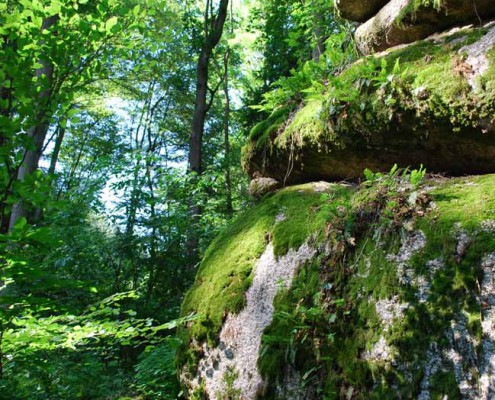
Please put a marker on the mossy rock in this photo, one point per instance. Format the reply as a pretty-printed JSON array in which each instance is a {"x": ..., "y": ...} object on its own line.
[
  {"x": 405, "y": 21},
  {"x": 396, "y": 299},
  {"x": 431, "y": 102}
]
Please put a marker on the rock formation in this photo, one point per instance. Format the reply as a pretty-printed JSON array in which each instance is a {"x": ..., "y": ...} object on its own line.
[
  {"x": 378, "y": 290},
  {"x": 405, "y": 21},
  {"x": 431, "y": 102},
  {"x": 383, "y": 290}
]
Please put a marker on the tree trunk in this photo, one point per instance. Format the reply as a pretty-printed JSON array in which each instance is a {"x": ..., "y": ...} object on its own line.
[
  {"x": 226, "y": 118},
  {"x": 213, "y": 29},
  {"x": 40, "y": 128},
  {"x": 56, "y": 149},
  {"x": 318, "y": 32}
]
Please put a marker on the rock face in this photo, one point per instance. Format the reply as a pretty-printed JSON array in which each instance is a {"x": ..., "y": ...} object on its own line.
[
  {"x": 405, "y": 21},
  {"x": 394, "y": 22},
  {"x": 261, "y": 186},
  {"x": 360, "y": 11},
  {"x": 384, "y": 290},
  {"x": 236, "y": 355},
  {"x": 431, "y": 102}
]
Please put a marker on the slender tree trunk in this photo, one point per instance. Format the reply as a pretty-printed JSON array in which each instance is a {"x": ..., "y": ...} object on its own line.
[
  {"x": 213, "y": 29},
  {"x": 6, "y": 92},
  {"x": 200, "y": 110},
  {"x": 153, "y": 238},
  {"x": 39, "y": 130},
  {"x": 6, "y": 157},
  {"x": 226, "y": 120},
  {"x": 319, "y": 40},
  {"x": 59, "y": 138}
]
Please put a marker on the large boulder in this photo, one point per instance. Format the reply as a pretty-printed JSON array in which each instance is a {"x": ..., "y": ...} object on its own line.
[
  {"x": 431, "y": 102},
  {"x": 379, "y": 291},
  {"x": 405, "y": 21}
]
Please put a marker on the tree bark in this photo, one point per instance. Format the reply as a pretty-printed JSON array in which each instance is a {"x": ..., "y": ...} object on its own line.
[
  {"x": 40, "y": 128},
  {"x": 213, "y": 29},
  {"x": 226, "y": 119},
  {"x": 59, "y": 138},
  {"x": 318, "y": 32}
]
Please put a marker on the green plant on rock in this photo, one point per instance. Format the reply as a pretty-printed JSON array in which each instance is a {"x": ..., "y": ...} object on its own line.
[
  {"x": 417, "y": 176},
  {"x": 420, "y": 86},
  {"x": 327, "y": 311},
  {"x": 230, "y": 392}
]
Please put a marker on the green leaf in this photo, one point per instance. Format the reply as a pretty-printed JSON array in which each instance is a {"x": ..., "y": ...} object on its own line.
[
  {"x": 41, "y": 235},
  {"x": 20, "y": 223},
  {"x": 54, "y": 7},
  {"x": 111, "y": 23}
]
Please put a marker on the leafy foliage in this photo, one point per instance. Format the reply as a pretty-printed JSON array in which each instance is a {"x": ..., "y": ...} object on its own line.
[{"x": 92, "y": 272}]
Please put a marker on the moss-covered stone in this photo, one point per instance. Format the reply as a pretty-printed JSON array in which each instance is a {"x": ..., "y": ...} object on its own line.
[
  {"x": 392, "y": 304},
  {"x": 421, "y": 104},
  {"x": 287, "y": 219},
  {"x": 405, "y": 21}
]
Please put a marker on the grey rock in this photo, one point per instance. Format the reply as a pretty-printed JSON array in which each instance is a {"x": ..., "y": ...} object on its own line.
[
  {"x": 261, "y": 186},
  {"x": 397, "y": 23}
]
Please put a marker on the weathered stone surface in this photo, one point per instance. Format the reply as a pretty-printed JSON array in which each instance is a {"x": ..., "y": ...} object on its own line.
[
  {"x": 399, "y": 21},
  {"x": 436, "y": 146},
  {"x": 359, "y": 10},
  {"x": 403, "y": 312},
  {"x": 242, "y": 333},
  {"x": 261, "y": 186},
  {"x": 438, "y": 110}
]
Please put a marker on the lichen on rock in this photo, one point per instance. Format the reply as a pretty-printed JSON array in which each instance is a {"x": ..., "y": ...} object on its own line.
[
  {"x": 404, "y": 313},
  {"x": 240, "y": 337}
]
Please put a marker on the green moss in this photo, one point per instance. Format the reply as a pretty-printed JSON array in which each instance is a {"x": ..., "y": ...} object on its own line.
[
  {"x": 318, "y": 209},
  {"x": 327, "y": 320},
  {"x": 465, "y": 200},
  {"x": 225, "y": 273},
  {"x": 333, "y": 339},
  {"x": 444, "y": 385},
  {"x": 424, "y": 80},
  {"x": 414, "y": 5},
  {"x": 263, "y": 131},
  {"x": 297, "y": 313},
  {"x": 307, "y": 124}
]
